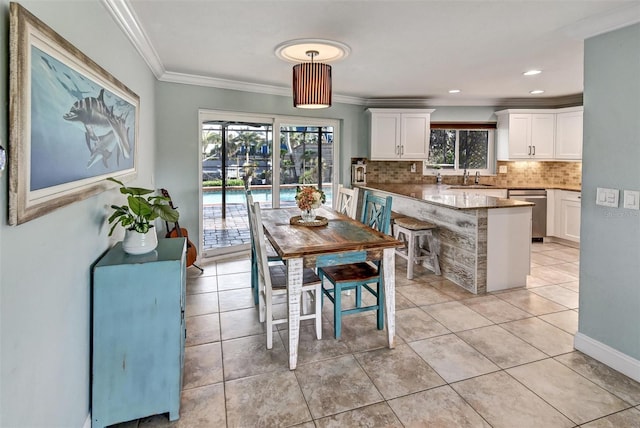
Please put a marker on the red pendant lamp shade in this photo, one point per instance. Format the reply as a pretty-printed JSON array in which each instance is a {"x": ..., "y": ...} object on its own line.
[{"x": 312, "y": 85}]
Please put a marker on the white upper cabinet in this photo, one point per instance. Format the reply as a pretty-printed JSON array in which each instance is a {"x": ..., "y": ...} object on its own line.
[
  {"x": 540, "y": 134},
  {"x": 543, "y": 134},
  {"x": 569, "y": 134},
  {"x": 400, "y": 134},
  {"x": 525, "y": 135}
]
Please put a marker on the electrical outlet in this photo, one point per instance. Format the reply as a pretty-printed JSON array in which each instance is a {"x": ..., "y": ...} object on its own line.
[
  {"x": 413, "y": 167},
  {"x": 502, "y": 169},
  {"x": 631, "y": 199}
]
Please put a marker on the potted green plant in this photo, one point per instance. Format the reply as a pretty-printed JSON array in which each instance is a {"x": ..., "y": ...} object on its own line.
[{"x": 137, "y": 215}]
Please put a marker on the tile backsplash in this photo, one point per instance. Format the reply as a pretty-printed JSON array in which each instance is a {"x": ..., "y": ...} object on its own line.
[{"x": 519, "y": 173}]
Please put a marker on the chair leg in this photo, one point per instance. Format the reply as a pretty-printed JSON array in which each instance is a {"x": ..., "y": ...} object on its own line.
[
  {"x": 358, "y": 296},
  {"x": 411, "y": 248},
  {"x": 434, "y": 255},
  {"x": 269, "y": 323},
  {"x": 254, "y": 280},
  {"x": 337, "y": 311},
  {"x": 318, "y": 302},
  {"x": 261, "y": 308},
  {"x": 380, "y": 311},
  {"x": 304, "y": 304}
]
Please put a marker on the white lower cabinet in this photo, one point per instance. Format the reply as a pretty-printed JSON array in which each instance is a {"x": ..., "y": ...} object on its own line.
[
  {"x": 570, "y": 217},
  {"x": 563, "y": 214}
]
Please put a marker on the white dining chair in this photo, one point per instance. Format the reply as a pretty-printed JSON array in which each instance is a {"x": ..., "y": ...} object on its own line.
[
  {"x": 272, "y": 255},
  {"x": 272, "y": 281},
  {"x": 347, "y": 201}
]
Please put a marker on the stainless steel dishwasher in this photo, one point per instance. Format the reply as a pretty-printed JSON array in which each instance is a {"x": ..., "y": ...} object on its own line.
[{"x": 539, "y": 211}]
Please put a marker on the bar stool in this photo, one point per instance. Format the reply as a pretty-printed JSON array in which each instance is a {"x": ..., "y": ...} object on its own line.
[
  {"x": 412, "y": 230},
  {"x": 394, "y": 216}
]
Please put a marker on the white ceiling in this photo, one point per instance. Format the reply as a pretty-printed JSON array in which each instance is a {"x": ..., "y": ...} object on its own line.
[{"x": 410, "y": 50}]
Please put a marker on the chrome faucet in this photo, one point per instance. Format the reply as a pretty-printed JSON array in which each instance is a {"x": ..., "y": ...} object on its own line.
[
  {"x": 477, "y": 180},
  {"x": 465, "y": 176}
]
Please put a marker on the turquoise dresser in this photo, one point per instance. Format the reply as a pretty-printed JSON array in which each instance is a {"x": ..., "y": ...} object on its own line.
[{"x": 138, "y": 333}]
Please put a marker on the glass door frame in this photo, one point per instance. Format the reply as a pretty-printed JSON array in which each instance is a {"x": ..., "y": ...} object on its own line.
[
  {"x": 306, "y": 121},
  {"x": 276, "y": 121}
]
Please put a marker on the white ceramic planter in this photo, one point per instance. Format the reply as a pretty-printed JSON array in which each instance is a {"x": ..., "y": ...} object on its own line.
[{"x": 139, "y": 243}]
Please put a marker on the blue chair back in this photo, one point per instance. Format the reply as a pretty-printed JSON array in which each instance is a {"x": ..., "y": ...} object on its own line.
[{"x": 376, "y": 212}]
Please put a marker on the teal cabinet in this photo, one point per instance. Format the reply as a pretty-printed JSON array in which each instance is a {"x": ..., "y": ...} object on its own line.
[{"x": 138, "y": 333}]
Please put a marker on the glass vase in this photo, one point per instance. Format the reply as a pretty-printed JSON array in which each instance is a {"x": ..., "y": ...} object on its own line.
[{"x": 308, "y": 216}]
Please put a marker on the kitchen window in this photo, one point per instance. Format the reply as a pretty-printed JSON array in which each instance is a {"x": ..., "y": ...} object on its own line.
[{"x": 455, "y": 147}]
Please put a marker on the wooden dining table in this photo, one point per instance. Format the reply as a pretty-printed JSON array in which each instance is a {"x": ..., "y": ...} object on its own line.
[{"x": 342, "y": 240}]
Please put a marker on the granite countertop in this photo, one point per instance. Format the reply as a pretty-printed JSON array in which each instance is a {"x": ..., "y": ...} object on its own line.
[
  {"x": 552, "y": 186},
  {"x": 441, "y": 194}
]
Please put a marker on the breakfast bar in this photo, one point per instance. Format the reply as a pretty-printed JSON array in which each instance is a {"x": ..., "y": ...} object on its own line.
[{"x": 483, "y": 242}]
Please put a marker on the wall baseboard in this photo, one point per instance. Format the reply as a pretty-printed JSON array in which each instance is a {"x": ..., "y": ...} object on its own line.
[
  {"x": 607, "y": 355},
  {"x": 87, "y": 422}
]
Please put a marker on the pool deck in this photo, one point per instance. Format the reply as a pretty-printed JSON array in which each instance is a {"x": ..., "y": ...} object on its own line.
[
  {"x": 226, "y": 232},
  {"x": 234, "y": 229}
]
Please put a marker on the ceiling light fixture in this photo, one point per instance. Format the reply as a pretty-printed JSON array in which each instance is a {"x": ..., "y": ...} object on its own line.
[
  {"x": 532, "y": 72},
  {"x": 312, "y": 74},
  {"x": 536, "y": 92},
  {"x": 454, "y": 91},
  {"x": 312, "y": 84}
]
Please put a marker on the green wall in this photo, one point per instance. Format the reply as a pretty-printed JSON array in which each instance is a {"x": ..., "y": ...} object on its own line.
[
  {"x": 178, "y": 137},
  {"x": 45, "y": 263},
  {"x": 610, "y": 237}
]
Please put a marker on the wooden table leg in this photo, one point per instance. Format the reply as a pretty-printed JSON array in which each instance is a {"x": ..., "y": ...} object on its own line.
[
  {"x": 294, "y": 293},
  {"x": 389, "y": 272}
]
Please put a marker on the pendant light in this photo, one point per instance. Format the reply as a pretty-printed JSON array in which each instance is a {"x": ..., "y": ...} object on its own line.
[
  {"x": 311, "y": 72},
  {"x": 312, "y": 84}
]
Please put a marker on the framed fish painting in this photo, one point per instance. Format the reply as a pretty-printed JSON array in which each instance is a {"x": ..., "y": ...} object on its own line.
[{"x": 71, "y": 123}]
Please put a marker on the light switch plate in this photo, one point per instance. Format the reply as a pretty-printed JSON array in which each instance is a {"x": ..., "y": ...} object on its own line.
[
  {"x": 631, "y": 199},
  {"x": 607, "y": 197}
]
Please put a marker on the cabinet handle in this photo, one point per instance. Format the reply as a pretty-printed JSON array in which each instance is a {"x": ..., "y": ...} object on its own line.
[
  {"x": 534, "y": 150},
  {"x": 529, "y": 151},
  {"x": 401, "y": 150}
]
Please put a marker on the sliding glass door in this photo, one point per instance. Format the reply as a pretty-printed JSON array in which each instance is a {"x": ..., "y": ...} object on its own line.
[
  {"x": 306, "y": 158},
  {"x": 238, "y": 151}
]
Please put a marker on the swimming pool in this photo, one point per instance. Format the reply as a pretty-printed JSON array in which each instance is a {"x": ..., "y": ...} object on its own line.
[{"x": 236, "y": 196}]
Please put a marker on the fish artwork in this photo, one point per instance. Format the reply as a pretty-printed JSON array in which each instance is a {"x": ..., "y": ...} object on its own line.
[
  {"x": 94, "y": 114},
  {"x": 103, "y": 149}
]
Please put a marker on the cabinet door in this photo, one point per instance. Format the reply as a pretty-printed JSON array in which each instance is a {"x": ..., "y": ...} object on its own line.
[
  {"x": 415, "y": 136},
  {"x": 569, "y": 135},
  {"x": 542, "y": 135},
  {"x": 570, "y": 217},
  {"x": 519, "y": 136},
  {"x": 385, "y": 136}
]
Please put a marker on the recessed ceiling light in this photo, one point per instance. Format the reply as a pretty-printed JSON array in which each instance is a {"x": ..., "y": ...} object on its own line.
[
  {"x": 536, "y": 92},
  {"x": 454, "y": 91},
  {"x": 532, "y": 72}
]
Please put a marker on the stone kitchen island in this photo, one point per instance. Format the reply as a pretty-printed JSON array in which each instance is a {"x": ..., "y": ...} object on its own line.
[{"x": 484, "y": 242}]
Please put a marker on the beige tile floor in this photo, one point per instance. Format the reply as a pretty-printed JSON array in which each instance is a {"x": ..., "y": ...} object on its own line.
[{"x": 500, "y": 360}]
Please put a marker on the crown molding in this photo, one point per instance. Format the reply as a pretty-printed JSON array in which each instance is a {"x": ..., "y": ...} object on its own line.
[
  {"x": 126, "y": 18},
  {"x": 600, "y": 24},
  {"x": 533, "y": 102},
  {"x": 235, "y": 85}
]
